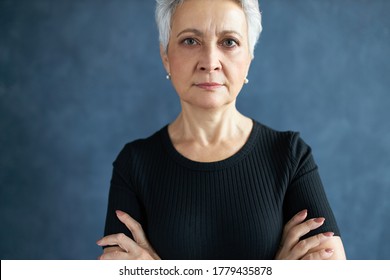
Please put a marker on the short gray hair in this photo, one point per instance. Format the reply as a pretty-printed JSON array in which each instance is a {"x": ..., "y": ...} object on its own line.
[{"x": 166, "y": 8}]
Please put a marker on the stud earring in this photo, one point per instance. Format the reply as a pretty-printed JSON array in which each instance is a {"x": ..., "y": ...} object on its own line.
[
  {"x": 246, "y": 81},
  {"x": 168, "y": 76}
]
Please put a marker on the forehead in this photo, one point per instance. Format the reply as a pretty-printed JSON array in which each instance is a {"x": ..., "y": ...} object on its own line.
[{"x": 209, "y": 15}]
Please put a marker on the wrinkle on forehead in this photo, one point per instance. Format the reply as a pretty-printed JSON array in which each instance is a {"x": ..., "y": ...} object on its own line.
[{"x": 211, "y": 17}]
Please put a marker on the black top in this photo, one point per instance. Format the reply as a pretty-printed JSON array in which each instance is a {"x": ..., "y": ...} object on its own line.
[{"x": 230, "y": 209}]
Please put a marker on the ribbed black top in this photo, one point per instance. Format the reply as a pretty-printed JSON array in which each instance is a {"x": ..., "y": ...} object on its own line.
[{"x": 230, "y": 209}]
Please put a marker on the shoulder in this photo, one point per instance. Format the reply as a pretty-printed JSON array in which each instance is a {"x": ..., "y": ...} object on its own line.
[
  {"x": 290, "y": 138},
  {"x": 141, "y": 148},
  {"x": 288, "y": 142},
  {"x": 272, "y": 133}
]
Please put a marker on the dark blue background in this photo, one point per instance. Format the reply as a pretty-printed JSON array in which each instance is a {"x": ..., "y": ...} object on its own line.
[{"x": 79, "y": 79}]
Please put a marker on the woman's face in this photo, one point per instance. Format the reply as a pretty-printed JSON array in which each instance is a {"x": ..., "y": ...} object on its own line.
[{"x": 208, "y": 55}]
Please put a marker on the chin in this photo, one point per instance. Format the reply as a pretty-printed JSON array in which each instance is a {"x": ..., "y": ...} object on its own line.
[
  {"x": 207, "y": 100},
  {"x": 211, "y": 104}
]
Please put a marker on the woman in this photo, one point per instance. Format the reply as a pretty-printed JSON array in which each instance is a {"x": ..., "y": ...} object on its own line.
[{"x": 215, "y": 184}]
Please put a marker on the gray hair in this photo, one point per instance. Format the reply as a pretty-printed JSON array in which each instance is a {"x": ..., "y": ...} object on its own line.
[{"x": 166, "y": 8}]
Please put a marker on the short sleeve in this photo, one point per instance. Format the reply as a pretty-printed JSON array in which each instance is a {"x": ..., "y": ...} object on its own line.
[
  {"x": 305, "y": 189},
  {"x": 122, "y": 195}
]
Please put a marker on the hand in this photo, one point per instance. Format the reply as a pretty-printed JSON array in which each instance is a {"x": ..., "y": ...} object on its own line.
[
  {"x": 127, "y": 248},
  {"x": 292, "y": 248}
]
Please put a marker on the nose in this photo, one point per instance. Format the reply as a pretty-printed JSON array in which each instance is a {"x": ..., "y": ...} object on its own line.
[{"x": 209, "y": 59}]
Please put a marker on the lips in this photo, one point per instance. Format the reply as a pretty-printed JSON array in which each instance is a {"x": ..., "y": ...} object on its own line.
[{"x": 209, "y": 85}]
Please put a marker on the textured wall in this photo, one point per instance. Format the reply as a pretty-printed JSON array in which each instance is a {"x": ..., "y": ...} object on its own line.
[{"x": 79, "y": 79}]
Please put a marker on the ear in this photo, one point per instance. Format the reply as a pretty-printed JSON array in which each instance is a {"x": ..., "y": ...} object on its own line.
[{"x": 164, "y": 58}]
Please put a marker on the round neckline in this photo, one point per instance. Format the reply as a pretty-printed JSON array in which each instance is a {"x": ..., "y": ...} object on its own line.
[{"x": 214, "y": 165}]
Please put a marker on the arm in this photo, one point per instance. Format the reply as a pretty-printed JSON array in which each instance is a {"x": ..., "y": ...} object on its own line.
[
  {"x": 323, "y": 246},
  {"x": 319, "y": 247},
  {"x": 305, "y": 191},
  {"x": 122, "y": 195},
  {"x": 123, "y": 246}
]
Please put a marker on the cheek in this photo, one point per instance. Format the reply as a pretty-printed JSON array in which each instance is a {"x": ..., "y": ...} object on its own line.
[
  {"x": 180, "y": 62},
  {"x": 243, "y": 64},
  {"x": 177, "y": 66},
  {"x": 237, "y": 64},
  {"x": 238, "y": 71}
]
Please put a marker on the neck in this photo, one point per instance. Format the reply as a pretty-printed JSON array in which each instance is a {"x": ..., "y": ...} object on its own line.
[{"x": 209, "y": 126}]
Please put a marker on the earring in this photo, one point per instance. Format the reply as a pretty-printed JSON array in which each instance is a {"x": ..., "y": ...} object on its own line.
[
  {"x": 168, "y": 76},
  {"x": 246, "y": 81}
]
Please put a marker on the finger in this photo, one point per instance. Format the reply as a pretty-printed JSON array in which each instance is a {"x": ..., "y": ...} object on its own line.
[
  {"x": 303, "y": 247},
  {"x": 323, "y": 254},
  {"x": 112, "y": 249},
  {"x": 120, "y": 255},
  {"x": 114, "y": 255},
  {"x": 135, "y": 228},
  {"x": 119, "y": 239},
  {"x": 295, "y": 233},
  {"x": 297, "y": 219}
]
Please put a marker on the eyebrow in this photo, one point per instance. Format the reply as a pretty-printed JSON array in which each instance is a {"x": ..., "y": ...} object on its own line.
[
  {"x": 200, "y": 33},
  {"x": 190, "y": 30}
]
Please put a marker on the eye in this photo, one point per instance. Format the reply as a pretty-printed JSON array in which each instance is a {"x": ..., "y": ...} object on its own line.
[
  {"x": 190, "y": 42},
  {"x": 229, "y": 43}
]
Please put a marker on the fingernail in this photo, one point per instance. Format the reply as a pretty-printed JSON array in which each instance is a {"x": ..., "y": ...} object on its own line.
[
  {"x": 319, "y": 220},
  {"x": 119, "y": 212},
  {"x": 328, "y": 234},
  {"x": 302, "y": 213},
  {"x": 329, "y": 251},
  {"x": 99, "y": 242}
]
